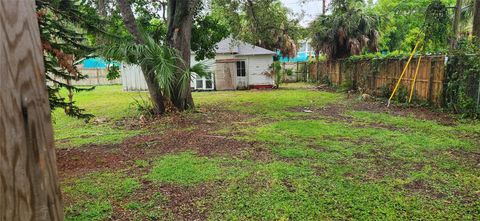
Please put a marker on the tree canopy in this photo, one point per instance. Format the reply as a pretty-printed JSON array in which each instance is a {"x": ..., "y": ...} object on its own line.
[
  {"x": 402, "y": 21},
  {"x": 265, "y": 23},
  {"x": 348, "y": 30}
]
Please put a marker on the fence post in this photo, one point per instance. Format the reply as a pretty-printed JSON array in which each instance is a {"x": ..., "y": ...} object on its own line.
[
  {"x": 339, "y": 67},
  {"x": 478, "y": 95},
  {"x": 98, "y": 78},
  {"x": 433, "y": 63},
  {"x": 374, "y": 77}
]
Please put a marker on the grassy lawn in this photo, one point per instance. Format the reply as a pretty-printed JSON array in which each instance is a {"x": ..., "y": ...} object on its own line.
[
  {"x": 110, "y": 105},
  {"x": 258, "y": 155}
]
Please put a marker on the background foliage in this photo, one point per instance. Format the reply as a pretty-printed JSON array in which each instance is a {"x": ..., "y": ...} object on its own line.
[
  {"x": 402, "y": 21},
  {"x": 62, "y": 26},
  {"x": 463, "y": 76}
]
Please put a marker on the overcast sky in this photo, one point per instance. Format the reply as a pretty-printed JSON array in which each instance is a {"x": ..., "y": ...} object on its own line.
[{"x": 311, "y": 8}]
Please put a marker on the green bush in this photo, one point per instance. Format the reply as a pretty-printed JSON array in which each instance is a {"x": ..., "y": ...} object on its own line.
[
  {"x": 462, "y": 94},
  {"x": 277, "y": 71}
]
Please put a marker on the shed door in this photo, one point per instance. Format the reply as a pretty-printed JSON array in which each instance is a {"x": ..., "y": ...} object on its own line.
[
  {"x": 241, "y": 79},
  {"x": 225, "y": 76}
]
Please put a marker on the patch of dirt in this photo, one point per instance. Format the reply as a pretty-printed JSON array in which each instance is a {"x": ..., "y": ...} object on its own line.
[
  {"x": 288, "y": 184},
  {"x": 72, "y": 162},
  {"x": 381, "y": 107},
  {"x": 421, "y": 187},
  {"x": 380, "y": 164},
  {"x": 188, "y": 203},
  {"x": 336, "y": 112},
  {"x": 469, "y": 157},
  {"x": 177, "y": 202},
  {"x": 323, "y": 87},
  {"x": 186, "y": 133},
  {"x": 462, "y": 157}
]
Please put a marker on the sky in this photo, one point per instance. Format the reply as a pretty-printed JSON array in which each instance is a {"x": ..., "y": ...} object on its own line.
[{"x": 310, "y": 8}]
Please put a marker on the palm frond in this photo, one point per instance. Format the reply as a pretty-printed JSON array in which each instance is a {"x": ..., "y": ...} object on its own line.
[
  {"x": 162, "y": 60},
  {"x": 201, "y": 69}
]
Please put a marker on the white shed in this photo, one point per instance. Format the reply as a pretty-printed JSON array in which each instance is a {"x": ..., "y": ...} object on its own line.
[{"x": 237, "y": 65}]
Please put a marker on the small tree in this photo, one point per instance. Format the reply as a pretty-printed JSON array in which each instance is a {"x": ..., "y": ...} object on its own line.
[{"x": 62, "y": 26}]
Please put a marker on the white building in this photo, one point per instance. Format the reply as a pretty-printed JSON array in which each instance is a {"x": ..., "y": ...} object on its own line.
[{"x": 237, "y": 65}]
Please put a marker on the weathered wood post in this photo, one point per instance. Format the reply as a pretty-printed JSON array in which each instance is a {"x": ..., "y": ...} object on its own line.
[
  {"x": 430, "y": 79},
  {"x": 29, "y": 188}
]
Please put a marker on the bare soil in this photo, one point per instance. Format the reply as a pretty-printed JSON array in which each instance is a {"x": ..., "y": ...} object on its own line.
[{"x": 187, "y": 134}]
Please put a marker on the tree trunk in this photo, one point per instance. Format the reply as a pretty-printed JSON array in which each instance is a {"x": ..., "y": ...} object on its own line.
[
  {"x": 129, "y": 20},
  {"x": 180, "y": 18},
  {"x": 154, "y": 89},
  {"x": 324, "y": 7},
  {"x": 29, "y": 187},
  {"x": 102, "y": 8},
  {"x": 476, "y": 19},
  {"x": 156, "y": 95},
  {"x": 456, "y": 24}
]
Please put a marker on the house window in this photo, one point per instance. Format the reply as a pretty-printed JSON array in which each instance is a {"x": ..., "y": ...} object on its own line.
[
  {"x": 208, "y": 82},
  {"x": 199, "y": 83},
  {"x": 241, "y": 72},
  {"x": 204, "y": 82}
]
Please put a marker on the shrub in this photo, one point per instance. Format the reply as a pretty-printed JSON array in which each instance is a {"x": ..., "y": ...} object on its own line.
[{"x": 462, "y": 93}]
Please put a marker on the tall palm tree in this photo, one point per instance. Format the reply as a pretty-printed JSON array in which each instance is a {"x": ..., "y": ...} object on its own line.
[{"x": 347, "y": 31}]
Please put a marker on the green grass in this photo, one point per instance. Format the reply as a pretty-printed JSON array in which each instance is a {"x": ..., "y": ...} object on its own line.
[
  {"x": 360, "y": 166},
  {"x": 94, "y": 194},
  {"x": 150, "y": 210},
  {"x": 108, "y": 103},
  {"x": 184, "y": 169},
  {"x": 268, "y": 103},
  {"x": 363, "y": 171}
]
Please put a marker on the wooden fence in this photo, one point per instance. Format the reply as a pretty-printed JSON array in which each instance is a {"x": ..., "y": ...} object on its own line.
[
  {"x": 95, "y": 77},
  {"x": 299, "y": 72},
  {"x": 374, "y": 76}
]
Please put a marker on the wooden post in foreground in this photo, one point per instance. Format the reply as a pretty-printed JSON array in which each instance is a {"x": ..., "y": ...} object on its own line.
[{"x": 29, "y": 188}]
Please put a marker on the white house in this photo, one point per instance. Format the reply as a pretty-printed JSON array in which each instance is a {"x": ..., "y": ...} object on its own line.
[{"x": 237, "y": 65}]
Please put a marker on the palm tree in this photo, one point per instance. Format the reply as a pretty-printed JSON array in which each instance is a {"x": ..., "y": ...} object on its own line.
[
  {"x": 347, "y": 31},
  {"x": 161, "y": 60}
]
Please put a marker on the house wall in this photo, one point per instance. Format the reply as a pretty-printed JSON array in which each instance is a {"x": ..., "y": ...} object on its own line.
[
  {"x": 224, "y": 56},
  {"x": 257, "y": 66},
  {"x": 132, "y": 78},
  {"x": 225, "y": 73}
]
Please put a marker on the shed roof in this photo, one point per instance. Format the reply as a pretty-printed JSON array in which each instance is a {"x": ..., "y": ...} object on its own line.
[{"x": 231, "y": 46}]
